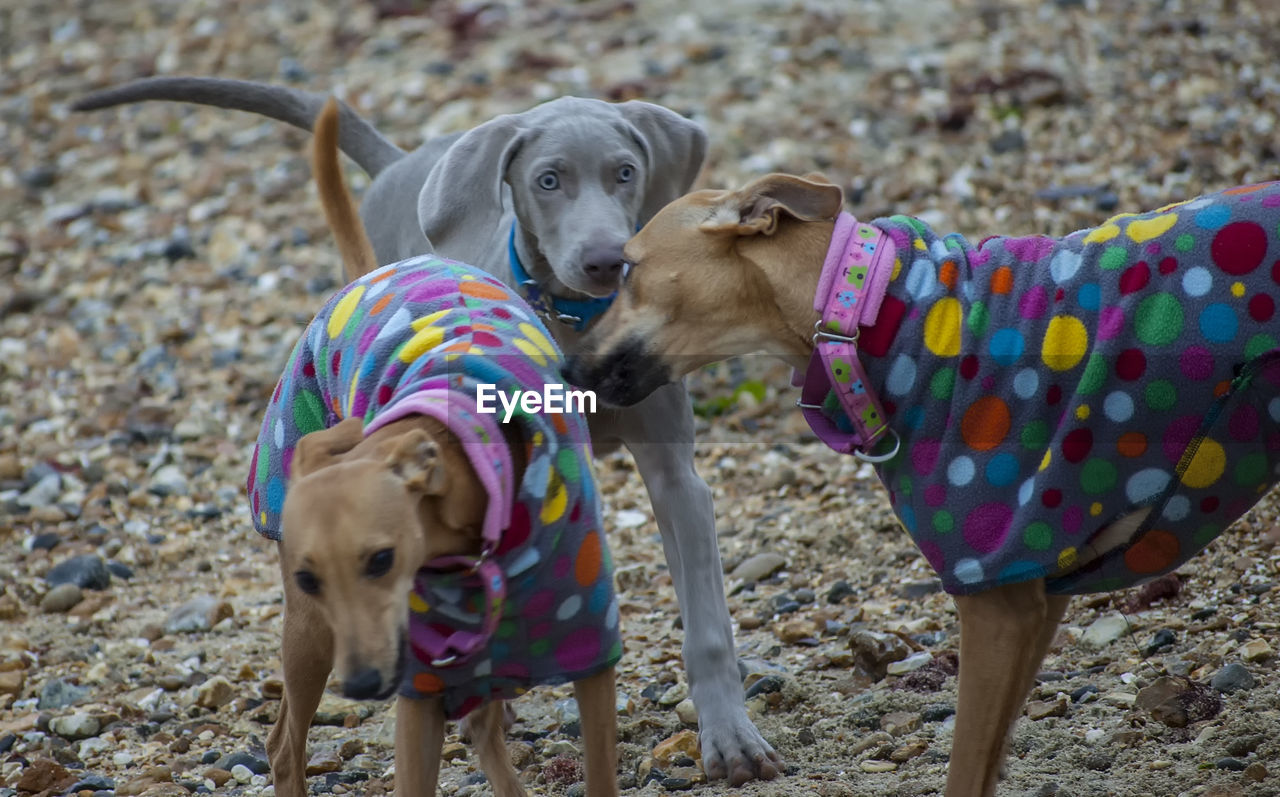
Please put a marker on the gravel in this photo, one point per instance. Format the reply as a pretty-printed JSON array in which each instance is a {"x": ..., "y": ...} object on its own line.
[{"x": 158, "y": 262}]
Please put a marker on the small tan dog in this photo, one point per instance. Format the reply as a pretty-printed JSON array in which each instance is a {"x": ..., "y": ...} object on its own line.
[
  {"x": 993, "y": 386},
  {"x": 376, "y": 515}
]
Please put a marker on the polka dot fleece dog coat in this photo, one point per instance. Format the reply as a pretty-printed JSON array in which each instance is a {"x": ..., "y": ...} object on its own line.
[
  {"x": 1045, "y": 387},
  {"x": 428, "y": 327}
]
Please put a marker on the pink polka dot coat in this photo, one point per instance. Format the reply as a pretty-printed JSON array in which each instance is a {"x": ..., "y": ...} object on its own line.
[{"x": 1046, "y": 387}]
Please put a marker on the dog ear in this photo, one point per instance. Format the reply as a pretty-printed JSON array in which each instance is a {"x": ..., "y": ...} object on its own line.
[
  {"x": 463, "y": 191},
  {"x": 675, "y": 148},
  {"x": 415, "y": 459},
  {"x": 319, "y": 449},
  {"x": 757, "y": 208}
]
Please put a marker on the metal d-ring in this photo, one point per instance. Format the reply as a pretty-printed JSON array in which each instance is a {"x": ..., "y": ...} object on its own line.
[
  {"x": 876, "y": 459},
  {"x": 818, "y": 332}
]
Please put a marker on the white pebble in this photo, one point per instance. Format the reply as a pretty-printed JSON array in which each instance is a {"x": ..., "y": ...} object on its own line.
[{"x": 241, "y": 773}]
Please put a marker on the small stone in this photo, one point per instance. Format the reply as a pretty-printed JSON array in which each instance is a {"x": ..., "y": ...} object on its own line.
[
  {"x": 686, "y": 711},
  {"x": 937, "y": 713},
  {"x": 677, "y": 784},
  {"x": 1084, "y": 693},
  {"x": 750, "y": 622},
  {"x": 215, "y": 693},
  {"x": 1256, "y": 650},
  {"x": 1010, "y": 140},
  {"x": 453, "y": 751},
  {"x": 60, "y": 693},
  {"x": 324, "y": 759},
  {"x": 92, "y": 782},
  {"x": 198, "y": 614},
  {"x": 1042, "y": 709},
  {"x": 43, "y": 493},
  {"x": 755, "y": 568},
  {"x": 11, "y": 682},
  {"x": 909, "y": 751},
  {"x": 874, "y": 767},
  {"x": 43, "y": 775},
  {"x": 168, "y": 480},
  {"x": 761, "y": 684},
  {"x": 796, "y": 631},
  {"x": 86, "y": 571},
  {"x": 218, "y": 776},
  {"x": 241, "y": 773},
  {"x": 805, "y": 595},
  {"x": 913, "y": 662},
  {"x": 522, "y": 754},
  {"x": 293, "y": 71},
  {"x": 46, "y": 541},
  {"x": 1099, "y": 760},
  {"x": 74, "y": 727},
  {"x": 1161, "y": 640},
  {"x": 61, "y": 599},
  {"x": 1256, "y": 772},
  {"x": 897, "y": 723},
  {"x": 255, "y": 764},
  {"x": 839, "y": 591},
  {"x": 38, "y": 177},
  {"x": 873, "y": 651},
  {"x": 1232, "y": 764},
  {"x": 1104, "y": 630},
  {"x": 1242, "y": 746},
  {"x": 674, "y": 694},
  {"x": 683, "y": 744},
  {"x": 1233, "y": 677}
]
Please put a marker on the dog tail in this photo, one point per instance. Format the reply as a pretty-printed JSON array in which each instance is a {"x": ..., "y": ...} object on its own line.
[
  {"x": 359, "y": 140},
  {"x": 339, "y": 208}
]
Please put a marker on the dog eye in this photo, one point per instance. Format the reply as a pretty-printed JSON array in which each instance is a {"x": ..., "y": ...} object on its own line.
[
  {"x": 548, "y": 181},
  {"x": 307, "y": 581},
  {"x": 625, "y": 172},
  {"x": 380, "y": 563}
]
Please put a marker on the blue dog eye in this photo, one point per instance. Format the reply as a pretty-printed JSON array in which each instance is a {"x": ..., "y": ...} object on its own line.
[
  {"x": 625, "y": 172},
  {"x": 548, "y": 181}
]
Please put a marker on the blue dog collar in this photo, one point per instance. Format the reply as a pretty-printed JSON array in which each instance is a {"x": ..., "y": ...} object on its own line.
[{"x": 576, "y": 313}]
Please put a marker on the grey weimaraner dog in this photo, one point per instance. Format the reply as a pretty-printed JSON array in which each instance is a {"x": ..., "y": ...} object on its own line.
[{"x": 544, "y": 200}]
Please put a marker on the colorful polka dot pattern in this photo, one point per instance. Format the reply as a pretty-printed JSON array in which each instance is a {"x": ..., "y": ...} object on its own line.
[
  {"x": 425, "y": 324},
  {"x": 1044, "y": 388}
]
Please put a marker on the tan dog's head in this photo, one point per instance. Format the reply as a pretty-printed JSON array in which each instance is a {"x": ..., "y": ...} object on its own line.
[
  {"x": 710, "y": 277},
  {"x": 362, "y": 515}
]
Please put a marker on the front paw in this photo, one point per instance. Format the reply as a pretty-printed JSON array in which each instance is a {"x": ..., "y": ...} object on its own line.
[{"x": 733, "y": 749}]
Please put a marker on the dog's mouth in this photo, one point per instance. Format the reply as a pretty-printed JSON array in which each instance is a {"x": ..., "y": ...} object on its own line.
[
  {"x": 622, "y": 377},
  {"x": 402, "y": 649}
]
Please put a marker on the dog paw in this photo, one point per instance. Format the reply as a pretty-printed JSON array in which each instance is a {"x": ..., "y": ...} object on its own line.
[{"x": 736, "y": 751}]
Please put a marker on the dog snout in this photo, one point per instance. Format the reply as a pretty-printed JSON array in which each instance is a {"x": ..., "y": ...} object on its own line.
[
  {"x": 603, "y": 261},
  {"x": 621, "y": 377},
  {"x": 363, "y": 684}
]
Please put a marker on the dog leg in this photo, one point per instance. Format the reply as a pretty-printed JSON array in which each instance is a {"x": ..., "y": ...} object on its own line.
[
  {"x": 1056, "y": 607},
  {"x": 306, "y": 655},
  {"x": 419, "y": 739},
  {"x": 491, "y": 748},
  {"x": 597, "y": 706},
  {"x": 1004, "y": 633},
  {"x": 663, "y": 449}
]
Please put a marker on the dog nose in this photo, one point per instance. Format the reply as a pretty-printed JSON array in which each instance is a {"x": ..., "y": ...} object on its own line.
[
  {"x": 363, "y": 684},
  {"x": 603, "y": 261}
]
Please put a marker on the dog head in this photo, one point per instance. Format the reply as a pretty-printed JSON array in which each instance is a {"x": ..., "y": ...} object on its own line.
[
  {"x": 583, "y": 174},
  {"x": 714, "y": 275},
  {"x": 362, "y": 515}
]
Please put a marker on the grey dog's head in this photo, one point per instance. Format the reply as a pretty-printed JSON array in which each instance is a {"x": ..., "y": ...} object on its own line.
[{"x": 583, "y": 175}]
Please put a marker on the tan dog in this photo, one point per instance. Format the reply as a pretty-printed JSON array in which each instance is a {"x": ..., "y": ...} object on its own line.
[
  {"x": 717, "y": 274},
  {"x": 363, "y": 514}
]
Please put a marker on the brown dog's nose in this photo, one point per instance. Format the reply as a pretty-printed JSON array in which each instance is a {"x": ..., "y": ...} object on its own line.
[
  {"x": 603, "y": 261},
  {"x": 363, "y": 684}
]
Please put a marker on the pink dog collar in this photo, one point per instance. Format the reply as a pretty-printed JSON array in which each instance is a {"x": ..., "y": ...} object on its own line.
[
  {"x": 487, "y": 450},
  {"x": 855, "y": 276}
]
